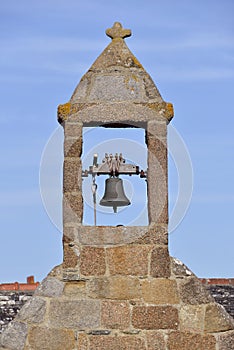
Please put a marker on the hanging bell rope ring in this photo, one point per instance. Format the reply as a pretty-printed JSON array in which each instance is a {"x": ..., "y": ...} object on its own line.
[{"x": 114, "y": 195}]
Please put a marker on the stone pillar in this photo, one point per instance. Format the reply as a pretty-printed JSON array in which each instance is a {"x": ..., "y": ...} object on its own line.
[
  {"x": 72, "y": 190},
  {"x": 157, "y": 171}
]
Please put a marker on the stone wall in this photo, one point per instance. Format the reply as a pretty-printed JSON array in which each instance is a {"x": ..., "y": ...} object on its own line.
[
  {"x": 69, "y": 311},
  {"x": 11, "y": 300}
]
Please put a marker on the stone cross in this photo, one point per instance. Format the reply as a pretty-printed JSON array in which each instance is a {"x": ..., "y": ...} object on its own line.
[{"x": 117, "y": 32}]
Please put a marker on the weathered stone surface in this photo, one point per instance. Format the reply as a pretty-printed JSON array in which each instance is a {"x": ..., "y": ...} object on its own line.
[
  {"x": 116, "y": 343},
  {"x": 192, "y": 318},
  {"x": 69, "y": 234},
  {"x": 110, "y": 235},
  {"x": 117, "y": 287},
  {"x": 179, "y": 269},
  {"x": 226, "y": 340},
  {"x": 155, "y": 317},
  {"x": 56, "y": 272},
  {"x": 157, "y": 169},
  {"x": 190, "y": 341},
  {"x": 50, "y": 287},
  {"x": 92, "y": 261},
  {"x": 115, "y": 314},
  {"x": 128, "y": 260},
  {"x": 117, "y": 87},
  {"x": 160, "y": 291},
  {"x": 70, "y": 258},
  {"x": 96, "y": 114},
  {"x": 75, "y": 290},
  {"x": 72, "y": 169},
  {"x": 33, "y": 311},
  {"x": 14, "y": 336},
  {"x": 156, "y": 234},
  {"x": 193, "y": 292},
  {"x": 80, "y": 91},
  {"x": 163, "y": 217},
  {"x": 72, "y": 148},
  {"x": 73, "y": 130},
  {"x": 72, "y": 207},
  {"x": 157, "y": 128},
  {"x": 51, "y": 339},
  {"x": 71, "y": 274},
  {"x": 217, "y": 319},
  {"x": 75, "y": 313},
  {"x": 157, "y": 209},
  {"x": 83, "y": 342},
  {"x": 160, "y": 262},
  {"x": 157, "y": 147},
  {"x": 155, "y": 341}
]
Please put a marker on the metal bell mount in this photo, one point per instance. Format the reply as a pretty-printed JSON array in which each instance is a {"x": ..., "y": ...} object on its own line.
[{"x": 113, "y": 166}]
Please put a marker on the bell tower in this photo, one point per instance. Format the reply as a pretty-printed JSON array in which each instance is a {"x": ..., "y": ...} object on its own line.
[
  {"x": 118, "y": 287},
  {"x": 115, "y": 92}
]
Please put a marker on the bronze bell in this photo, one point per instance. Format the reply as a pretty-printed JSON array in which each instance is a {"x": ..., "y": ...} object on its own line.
[{"x": 114, "y": 195}]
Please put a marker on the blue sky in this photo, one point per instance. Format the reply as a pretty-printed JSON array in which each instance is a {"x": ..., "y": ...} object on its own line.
[{"x": 186, "y": 46}]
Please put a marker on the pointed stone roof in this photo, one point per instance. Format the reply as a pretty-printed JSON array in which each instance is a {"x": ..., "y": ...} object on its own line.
[
  {"x": 116, "y": 75},
  {"x": 116, "y": 88}
]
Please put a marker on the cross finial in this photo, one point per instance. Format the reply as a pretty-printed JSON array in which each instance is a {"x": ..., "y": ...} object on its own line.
[{"x": 117, "y": 31}]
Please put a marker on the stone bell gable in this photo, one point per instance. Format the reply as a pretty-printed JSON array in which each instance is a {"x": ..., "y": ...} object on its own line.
[{"x": 118, "y": 287}]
